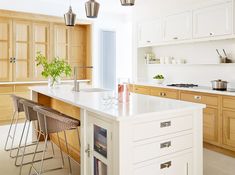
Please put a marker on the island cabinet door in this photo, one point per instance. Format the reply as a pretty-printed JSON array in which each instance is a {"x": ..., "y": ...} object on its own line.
[
  {"x": 172, "y": 165},
  {"x": 98, "y": 148}
]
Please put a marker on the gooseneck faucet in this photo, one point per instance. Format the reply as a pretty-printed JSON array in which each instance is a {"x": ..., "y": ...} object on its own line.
[{"x": 76, "y": 87}]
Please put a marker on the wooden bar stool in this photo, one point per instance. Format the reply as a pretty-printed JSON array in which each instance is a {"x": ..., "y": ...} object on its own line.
[{"x": 50, "y": 122}]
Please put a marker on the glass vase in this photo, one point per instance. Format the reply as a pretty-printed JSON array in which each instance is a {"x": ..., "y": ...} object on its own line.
[{"x": 53, "y": 82}]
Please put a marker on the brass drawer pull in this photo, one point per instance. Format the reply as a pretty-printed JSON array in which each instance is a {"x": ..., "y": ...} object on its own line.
[
  {"x": 197, "y": 97},
  {"x": 163, "y": 94},
  {"x": 165, "y": 124},
  {"x": 165, "y": 144},
  {"x": 165, "y": 165}
]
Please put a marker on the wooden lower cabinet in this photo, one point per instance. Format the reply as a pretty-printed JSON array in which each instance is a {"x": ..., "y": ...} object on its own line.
[
  {"x": 210, "y": 125},
  {"x": 229, "y": 129}
]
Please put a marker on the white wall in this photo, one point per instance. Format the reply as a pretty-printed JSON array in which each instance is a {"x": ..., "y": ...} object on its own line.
[
  {"x": 112, "y": 16},
  {"x": 197, "y": 53}
]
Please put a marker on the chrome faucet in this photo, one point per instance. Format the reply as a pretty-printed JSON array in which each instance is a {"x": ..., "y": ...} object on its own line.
[{"x": 76, "y": 87}]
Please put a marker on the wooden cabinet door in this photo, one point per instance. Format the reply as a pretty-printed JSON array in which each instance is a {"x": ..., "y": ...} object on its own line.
[
  {"x": 77, "y": 49},
  {"x": 178, "y": 27},
  {"x": 213, "y": 21},
  {"x": 150, "y": 33},
  {"x": 61, "y": 41},
  {"x": 229, "y": 129},
  {"x": 40, "y": 44},
  {"x": 22, "y": 50},
  {"x": 5, "y": 49},
  {"x": 210, "y": 125}
]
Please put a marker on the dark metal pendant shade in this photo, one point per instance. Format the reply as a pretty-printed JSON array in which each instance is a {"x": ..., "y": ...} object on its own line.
[
  {"x": 128, "y": 2},
  {"x": 92, "y": 8},
  {"x": 70, "y": 18}
]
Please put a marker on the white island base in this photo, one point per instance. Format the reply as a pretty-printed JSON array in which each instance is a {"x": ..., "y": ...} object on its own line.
[{"x": 147, "y": 136}]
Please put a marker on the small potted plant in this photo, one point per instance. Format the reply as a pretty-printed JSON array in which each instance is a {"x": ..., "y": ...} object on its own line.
[
  {"x": 159, "y": 78},
  {"x": 54, "y": 69}
]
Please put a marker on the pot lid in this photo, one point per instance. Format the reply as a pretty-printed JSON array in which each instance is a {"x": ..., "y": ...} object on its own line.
[{"x": 219, "y": 80}]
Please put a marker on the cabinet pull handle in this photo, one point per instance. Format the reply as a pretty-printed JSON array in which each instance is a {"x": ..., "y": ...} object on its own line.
[
  {"x": 88, "y": 151},
  {"x": 175, "y": 38},
  {"x": 11, "y": 60},
  {"x": 165, "y": 165},
  {"x": 14, "y": 60},
  {"x": 148, "y": 41},
  {"x": 165, "y": 144},
  {"x": 197, "y": 97},
  {"x": 165, "y": 124},
  {"x": 163, "y": 94}
]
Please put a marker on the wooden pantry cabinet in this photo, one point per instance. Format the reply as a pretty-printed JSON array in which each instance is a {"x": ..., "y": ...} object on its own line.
[{"x": 23, "y": 35}]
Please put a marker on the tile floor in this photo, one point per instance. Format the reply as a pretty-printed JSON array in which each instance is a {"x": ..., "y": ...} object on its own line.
[{"x": 214, "y": 163}]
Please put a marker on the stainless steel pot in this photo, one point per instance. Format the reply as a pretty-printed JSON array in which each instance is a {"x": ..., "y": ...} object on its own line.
[{"x": 219, "y": 85}]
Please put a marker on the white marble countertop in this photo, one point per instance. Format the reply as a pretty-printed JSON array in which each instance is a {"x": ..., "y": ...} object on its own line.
[
  {"x": 37, "y": 82},
  {"x": 204, "y": 89},
  {"x": 137, "y": 106}
]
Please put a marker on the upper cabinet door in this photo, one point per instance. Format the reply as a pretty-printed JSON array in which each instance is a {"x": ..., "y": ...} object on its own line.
[
  {"x": 40, "y": 44},
  {"x": 22, "y": 43},
  {"x": 213, "y": 21},
  {"x": 178, "y": 27},
  {"x": 150, "y": 33},
  {"x": 5, "y": 49}
]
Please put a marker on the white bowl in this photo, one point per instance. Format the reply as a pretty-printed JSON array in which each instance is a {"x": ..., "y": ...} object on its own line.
[{"x": 159, "y": 81}]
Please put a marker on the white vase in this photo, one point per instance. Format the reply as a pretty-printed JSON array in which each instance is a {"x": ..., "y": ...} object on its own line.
[{"x": 159, "y": 81}]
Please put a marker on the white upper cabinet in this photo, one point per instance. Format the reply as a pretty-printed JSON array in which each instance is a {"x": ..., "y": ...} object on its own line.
[
  {"x": 150, "y": 33},
  {"x": 213, "y": 21},
  {"x": 178, "y": 27}
]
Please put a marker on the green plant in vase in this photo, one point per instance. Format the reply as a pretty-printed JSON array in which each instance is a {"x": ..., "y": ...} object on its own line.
[{"x": 53, "y": 69}]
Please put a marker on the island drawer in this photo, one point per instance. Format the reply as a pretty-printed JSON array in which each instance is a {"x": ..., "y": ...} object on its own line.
[
  {"x": 168, "y": 165},
  {"x": 200, "y": 98},
  {"x": 157, "y": 149},
  {"x": 157, "y": 128}
]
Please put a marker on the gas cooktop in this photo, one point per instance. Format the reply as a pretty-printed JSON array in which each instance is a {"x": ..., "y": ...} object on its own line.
[{"x": 183, "y": 85}]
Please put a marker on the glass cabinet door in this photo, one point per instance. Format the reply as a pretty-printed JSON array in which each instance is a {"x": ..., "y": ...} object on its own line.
[{"x": 99, "y": 144}]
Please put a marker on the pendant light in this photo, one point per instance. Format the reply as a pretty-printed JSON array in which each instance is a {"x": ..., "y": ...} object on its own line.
[
  {"x": 128, "y": 2},
  {"x": 92, "y": 9},
  {"x": 70, "y": 17}
]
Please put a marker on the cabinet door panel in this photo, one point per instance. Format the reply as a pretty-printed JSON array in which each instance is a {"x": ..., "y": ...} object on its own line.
[
  {"x": 213, "y": 21},
  {"x": 5, "y": 49},
  {"x": 40, "y": 44},
  {"x": 229, "y": 129},
  {"x": 22, "y": 47},
  {"x": 150, "y": 33},
  {"x": 210, "y": 125},
  {"x": 178, "y": 27}
]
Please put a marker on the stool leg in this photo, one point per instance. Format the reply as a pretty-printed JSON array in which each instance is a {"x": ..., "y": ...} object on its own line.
[
  {"x": 22, "y": 158},
  {"x": 35, "y": 151},
  {"x": 67, "y": 148},
  {"x": 43, "y": 155},
  {"x": 61, "y": 153},
  {"x": 20, "y": 137},
  {"x": 9, "y": 131}
]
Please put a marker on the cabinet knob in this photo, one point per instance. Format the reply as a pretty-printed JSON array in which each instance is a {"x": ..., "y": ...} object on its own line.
[
  {"x": 165, "y": 124},
  {"x": 211, "y": 33},
  {"x": 165, "y": 165},
  {"x": 197, "y": 97},
  {"x": 165, "y": 144}
]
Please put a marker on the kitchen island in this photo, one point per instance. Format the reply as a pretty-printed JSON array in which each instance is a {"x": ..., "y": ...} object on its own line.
[{"x": 149, "y": 135}]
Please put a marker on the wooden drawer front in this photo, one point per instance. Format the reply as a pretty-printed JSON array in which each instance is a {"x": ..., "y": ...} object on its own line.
[
  {"x": 178, "y": 165},
  {"x": 200, "y": 98},
  {"x": 6, "y": 89},
  {"x": 229, "y": 103},
  {"x": 210, "y": 125},
  {"x": 164, "y": 93},
  {"x": 161, "y": 148},
  {"x": 6, "y": 107},
  {"x": 141, "y": 90},
  {"x": 229, "y": 129},
  {"x": 162, "y": 127}
]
